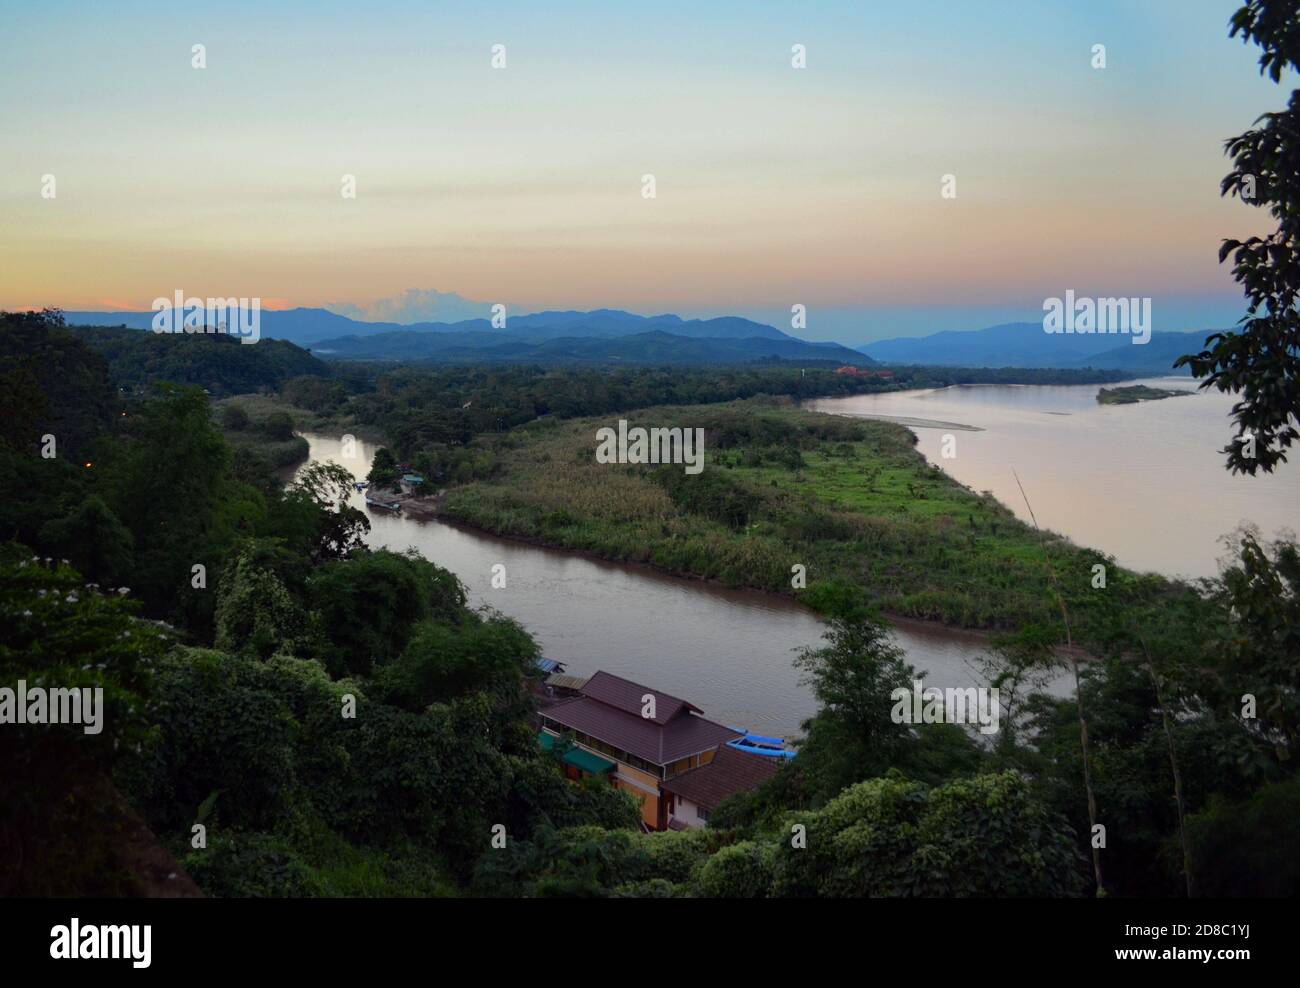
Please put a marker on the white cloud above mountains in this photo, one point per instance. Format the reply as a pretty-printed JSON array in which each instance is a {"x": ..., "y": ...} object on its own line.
[{"x": 415, "y": 305}]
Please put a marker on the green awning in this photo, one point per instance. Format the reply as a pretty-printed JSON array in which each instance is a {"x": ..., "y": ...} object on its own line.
[
  {"x": 578, "y": 757},
  {"x": 588, "y": 762}
]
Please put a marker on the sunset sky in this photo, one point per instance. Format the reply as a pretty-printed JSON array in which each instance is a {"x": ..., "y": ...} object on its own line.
[{"x": 522, "y": 185}]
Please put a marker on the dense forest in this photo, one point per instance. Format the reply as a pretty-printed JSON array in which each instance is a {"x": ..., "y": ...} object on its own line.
[
  {"x": 415, "y": 406},
  {"x": 217, "y": 363},
  {"x": 336, "y": 720}
]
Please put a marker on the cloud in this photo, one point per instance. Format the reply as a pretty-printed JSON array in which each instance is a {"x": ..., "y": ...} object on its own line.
[{"x": 415, "y": 305}]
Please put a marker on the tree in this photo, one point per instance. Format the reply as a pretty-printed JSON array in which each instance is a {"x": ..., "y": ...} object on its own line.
[
  {"x": 93, "y": 539},
  {"x": 1258, "y": 651},
  {"x": 1262, "y": 363},
  {"x": 234, "y": 418},
  {"x": 169, "y": 482},
  {"x": 371, "y": 603},
  {"x": 340, "y": 528},
  {"x": 853, "y": 675},
  {"x": 52, "y": 383},
  {"x": 256, "y": 614},
  {"x": 278, "y": 426},
  {"x": 383, "y": 470},
  {"x": 1018, "y": 666},
  {"x": 444, "y": 660}
]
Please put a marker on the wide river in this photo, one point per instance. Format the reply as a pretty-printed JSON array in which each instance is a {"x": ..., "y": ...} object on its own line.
[
  {"x": 1139, "y": 481},
  {"x": 1143, "y": 482}
]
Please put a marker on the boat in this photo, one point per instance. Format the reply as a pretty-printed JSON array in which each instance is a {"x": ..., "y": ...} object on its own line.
[
  {"x": 387, "y": 503},
  {"x": 761, "y": 744}
]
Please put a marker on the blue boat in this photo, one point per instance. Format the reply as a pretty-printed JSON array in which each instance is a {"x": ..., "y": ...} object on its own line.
[
  {"x": 761, "y": 744},
  {"x": 763, "y": 740}
]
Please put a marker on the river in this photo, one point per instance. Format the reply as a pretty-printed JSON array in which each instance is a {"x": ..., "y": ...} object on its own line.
[
  {"x": 727, "y": 651},
  {"x": 1143, "y": 482}
]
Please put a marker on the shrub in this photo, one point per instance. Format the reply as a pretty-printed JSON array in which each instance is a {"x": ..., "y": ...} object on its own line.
[
  {"x": 1248, "y": 848},
  {"x": 738, "y": 871},
  {"x": 251, "y": 866}
]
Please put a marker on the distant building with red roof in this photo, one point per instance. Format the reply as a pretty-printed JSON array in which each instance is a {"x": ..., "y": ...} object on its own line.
[{"x": 848, "y": 370}]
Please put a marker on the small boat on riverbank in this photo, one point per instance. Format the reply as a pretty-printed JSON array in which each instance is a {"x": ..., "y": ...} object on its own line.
[
  {"x": 760, "y": 744},
  {"x": 387, "y": 503}
]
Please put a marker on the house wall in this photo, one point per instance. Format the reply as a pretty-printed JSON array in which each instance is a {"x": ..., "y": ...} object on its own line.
[
  {"x": 686, "y": 812},
  {"x": 643, "y": 787}
]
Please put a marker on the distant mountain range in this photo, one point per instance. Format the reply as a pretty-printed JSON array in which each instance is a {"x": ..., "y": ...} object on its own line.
[
  {"x": 600, "y": 336},
  {"x": 614, "y": 336},
  {"x": 1024, "y": 344}
]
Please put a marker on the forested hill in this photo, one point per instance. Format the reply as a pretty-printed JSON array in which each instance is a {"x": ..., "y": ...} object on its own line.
[
  {"x": 652, "y": 348},
  {"x": 219, "y": 363}
]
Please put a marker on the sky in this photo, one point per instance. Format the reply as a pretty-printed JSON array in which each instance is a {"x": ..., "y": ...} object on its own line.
[{"x": 774, "y": 186}]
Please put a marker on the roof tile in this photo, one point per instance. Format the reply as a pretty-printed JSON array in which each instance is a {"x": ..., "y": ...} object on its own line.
[{"x": 730, "y": 772}]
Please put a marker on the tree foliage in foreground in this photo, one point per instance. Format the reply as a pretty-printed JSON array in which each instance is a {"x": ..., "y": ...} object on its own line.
[{"x": 1262, "y": 363}]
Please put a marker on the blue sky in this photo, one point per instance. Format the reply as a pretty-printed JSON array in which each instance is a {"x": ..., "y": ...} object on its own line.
[{"x": 774, "y": 186}]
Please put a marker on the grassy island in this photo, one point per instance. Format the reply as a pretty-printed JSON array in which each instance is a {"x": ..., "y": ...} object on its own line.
[
  {"x": 850, "y": 500},
  {"x": 1135, "y": 393}
]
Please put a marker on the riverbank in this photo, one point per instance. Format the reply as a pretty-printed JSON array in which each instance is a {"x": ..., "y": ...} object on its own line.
[
  {"x": 793, "y": 503},
  {"x": 727, "y": 649}
]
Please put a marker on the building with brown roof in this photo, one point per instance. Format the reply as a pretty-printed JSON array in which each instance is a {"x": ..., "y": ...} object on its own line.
[
  {"x": 692, "y": 796},
  {"x": 646, "y": 735}
]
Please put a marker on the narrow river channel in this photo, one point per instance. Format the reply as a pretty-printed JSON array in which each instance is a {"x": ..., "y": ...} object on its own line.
[{"x": 727, "y": 651}]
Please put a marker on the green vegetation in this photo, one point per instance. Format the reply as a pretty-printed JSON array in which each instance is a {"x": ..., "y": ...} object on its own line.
[
  {"x": 1262, "y": 362},
  {"x": 337, "y": 719},
  {"x": 339, "y": 722},
  {"x": 427, "y": 415},
  {"x": 218, "y": 363},
  {"x": 1132, "y": 395},
  {"x": 850, "y": 500},
  {"x": 383, "y": 469},
  {"x": 885, "y": 837},
  {"x": 260, "y": 431}
]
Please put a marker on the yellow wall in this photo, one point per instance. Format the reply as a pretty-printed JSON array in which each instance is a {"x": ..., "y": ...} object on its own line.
[{"x": 649, "y": 800}]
